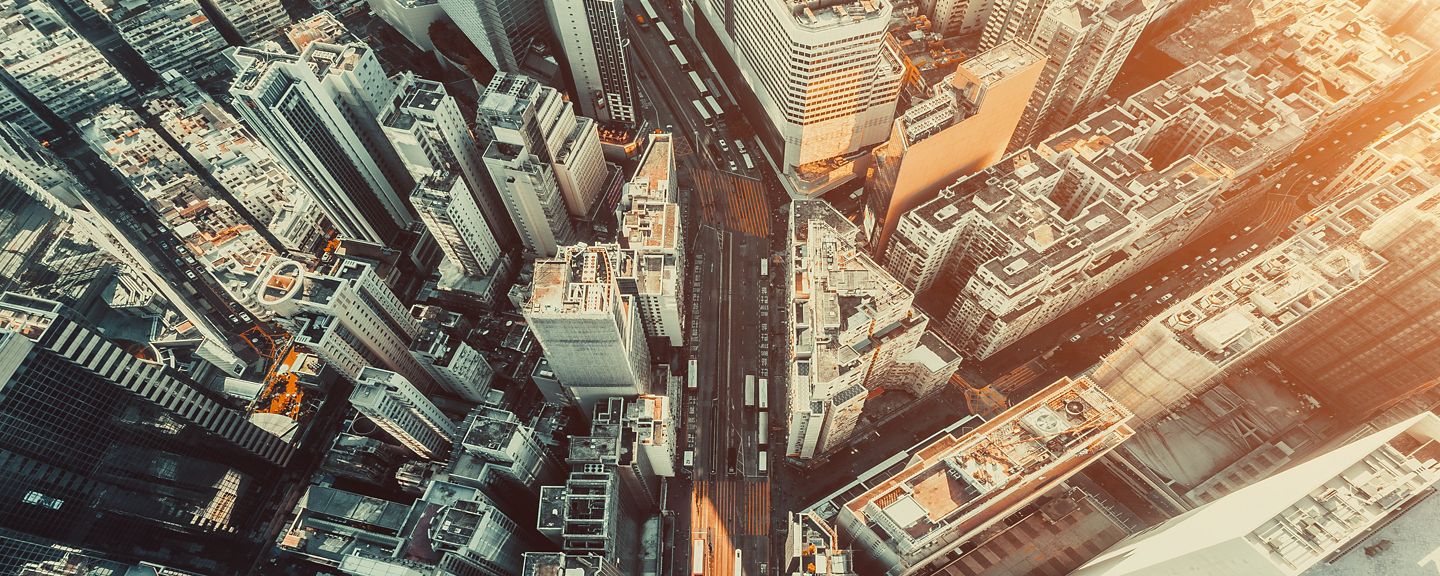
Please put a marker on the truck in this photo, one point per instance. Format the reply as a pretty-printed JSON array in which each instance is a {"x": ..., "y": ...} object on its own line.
[
  {"x": 692, "y": 375},
  {"x": 762, "y": 428},
  {"x": 688, "y": 458},
  {"x": 739, "y": 568},
  {"x": 764, "y": 395},
  {"x": 749, "y": 391},
  {"x": 697, "y": 557}
]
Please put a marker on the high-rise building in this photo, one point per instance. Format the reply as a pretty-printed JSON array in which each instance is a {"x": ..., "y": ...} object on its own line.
[
  {"x": 1295, "y": 520},
  {"x": 596, "y": 45},
  {"x": 549, "y": 563},
  {"x": 441, "y": 346},
  {"x": 317, "y": 112},
  {"x": 813, "y": 547},
  {"x": 347, "y": 315},
  {"x": 818, "y": 79},
  {"x": 39, "y": 48},
  {"x": 1416, "y": 144},
  {"x": 506, "y": 456},
  {"x": 394, "y": 405},
  {"x": 957, "y": 17},
  {"x": 1085, "y": 42},
  {"x": 503, "y": 30},
  {"x": 961, "y": 129},
  {"x": 253, "y": 21},
  {"x": 850, "y": 323},
  {"x": 635, "y": 438},
  {"x": 427, "y": 129},
  {"x": 591, "y": 332},
  {"x": 905, "y": 519},
  {"x": 1343, "y": 308},
  {"x": 591, "y": 514},
  {"x": 168, "y": 34},
  {"x": 652, "y": 262},
  {"x": 545, "y": 161},
  {"x": 110, "y": 451},
  {"x": 1007, "y": 20},
  {"x": 447, "y": 207}
]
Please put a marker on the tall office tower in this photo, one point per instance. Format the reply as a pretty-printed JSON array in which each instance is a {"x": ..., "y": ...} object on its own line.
[
  {"x": 961, "y": 129},
  {"x": 440, "y": 345},
  {"x": 549, "y": 563},
  {"x": 1295, "y": 520},
  {"x": 592, "y": 515},
  {"x": 1085, "y": 43},
  {"x": 1008, "y": 20},
  {"x": 1345, "y": 308},
  {"x": 652, "y": 235},
  {"x": 850, "y": 322},
  {"x": 596, "y": 44},
  {"x": 957, "y": 17},
  {"x": 823, "y": 76},
  {"x": 253, "y": 21},
  {"x": 906, "y": 519},
  {"x": 503, "y": 30},
  {"x": 317, "y": 113},
  {"x": 168, "y": 34},
  {"x": 109, "y": 451},
  {"x": 347, "y": 315},
  {"x": 545, "y": 161},
  {"x": 38, "y": 49},
  {"x": 394, "y": 405},
  {"x": 429, "y": 132},
  {"x": 1416, "y": 144},
  {"x": 243, "y": 167},
  {"x": 591, "y": 333}
]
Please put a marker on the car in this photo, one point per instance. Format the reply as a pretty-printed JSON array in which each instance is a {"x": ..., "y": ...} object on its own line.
[
  {"x": 1117, "y": 303},
  {"x": 1149, "y": 288},
  {"x": 1184, "y": 266},
  {"x": 1100, "y": 315},
  {"x": 724, "y": 145},
  {"x": 1233, "y": 236},
  {"x": 179, "y": 262},
  {"x": 1166, "y": 297},
  {"x": 1212, "y": 250},
  {"x": 233, "y": 319},
  {"x": 1242, "y": 254},
  {"x": 1107, "y": 320},
  {"x": 1109, "y": 329},
  {"x": 1075, "y": 338},
  {"x": 190, "y": 259},
  {"x": 1254, "y": 246},
  {"x": 1164, "y": 278},
  {"x": 1211, "y": 261},
  {"x": 739, "y": 146},
  {"x": 1134, "y": 296},
  {"x": 1197, "y": 257},
  {"x": 1247, "y": 228},
  {"x": 1314, "y": 182},
  {"x": 190, "y": 274},
  {"x": 733, "y": 166}
]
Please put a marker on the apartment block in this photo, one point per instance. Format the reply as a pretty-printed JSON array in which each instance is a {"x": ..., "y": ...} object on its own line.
[
  {"x": 168, "y": 34},
  {"x": 652, "y": 259},
  {"x": 442, "y": 347},
  {"x": 960, "y": 129},
  {"x": 38, "y": 47},
  {"x": 1295, "y": 520},
  {"x": 254, "y": 21},
  {"x": 824, "y": 77},
  {"x": 850, "y": 322},
  {"x": 545, "y": 161},
  {"x": 399, "y": 409},
  {"x": 957, "y": 17},
  {"x": 1415, "y": 144},
  {"x": 592, "y": 333},
  {"x": 1341, "y": 307},
  {"x": 591, "y": 515},
  {"x": 547, "y": 563},
  {"x": 911, "y": 513}
]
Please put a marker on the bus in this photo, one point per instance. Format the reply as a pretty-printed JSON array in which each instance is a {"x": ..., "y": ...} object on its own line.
[
  {"x": 764, "y": 392},
  {"x": 650, "y": 15},
  {"x": 762, "y": 426},
  {"x": 749, "y": 164},
  {"x": 715, "y": 107},
  {"x": 764, "y": 267},
  {"x": 665, "y": 32},
  {"x": 699, "y": 84},
  {"x": 679, "y": 57},
  {"x": 692, "y": 378},
  {"x": 739, "y": 569},
  {"x": 749, "y": 391},
  {"x": 704, "y": 114},
  {"x": 697, "y": 557},
  {"x": 760, "y": 465}
]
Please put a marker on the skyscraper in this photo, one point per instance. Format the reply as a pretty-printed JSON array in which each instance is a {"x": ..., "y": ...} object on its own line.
[
  {"x": 107, "y": 450},
  {"x": 503, "y": 30},
  {"x": 1085, "y": 43},
  {"x": 1292, "y": 521},
  {"x": 592, "y": 334},
  {"x": 449, "y": 211},
  {"x": 819, "y": 79},
  {"x": 961, "y": 129},
  {"x": 593, "y": 35},
  {"x": 317, "y": 112},
  {"x": 394, "y": 405},
  {"x": 545, "y": 161}
]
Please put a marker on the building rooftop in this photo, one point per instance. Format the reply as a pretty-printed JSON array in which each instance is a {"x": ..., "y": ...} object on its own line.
[
  {"x": 578, "y": 280},
  {"x": 826, "y": 14}
]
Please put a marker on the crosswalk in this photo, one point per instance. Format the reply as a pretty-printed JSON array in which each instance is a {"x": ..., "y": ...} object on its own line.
[
  {"x": 731, "y": 202},
  {"x": 725, "y": 510},
  {"x": 1019, "y": 377}
]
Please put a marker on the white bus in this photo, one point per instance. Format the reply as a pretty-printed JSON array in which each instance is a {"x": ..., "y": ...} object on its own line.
[
  {"x": 762, "y": 427},
  {"x": 665, "y": 32},
  {"x": 739, "y": 569},
  {"x": 650, "y": 15},
  {"x": 760, "y": 467},
  {"x": 704, "y": 114},
  {"x": 679, "y": 57},
  {"x": 688, "y": 459},
  {"x": 699, "y": 84},
  {"x": 715, "y": 107},
  {"x": 697, "y": 557},
  {"x": 692, "y": 378},
  {"x": 749, "y": 391},
  {"x": 764, "y": 392},
  {"x": 749, "y": 164}
]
